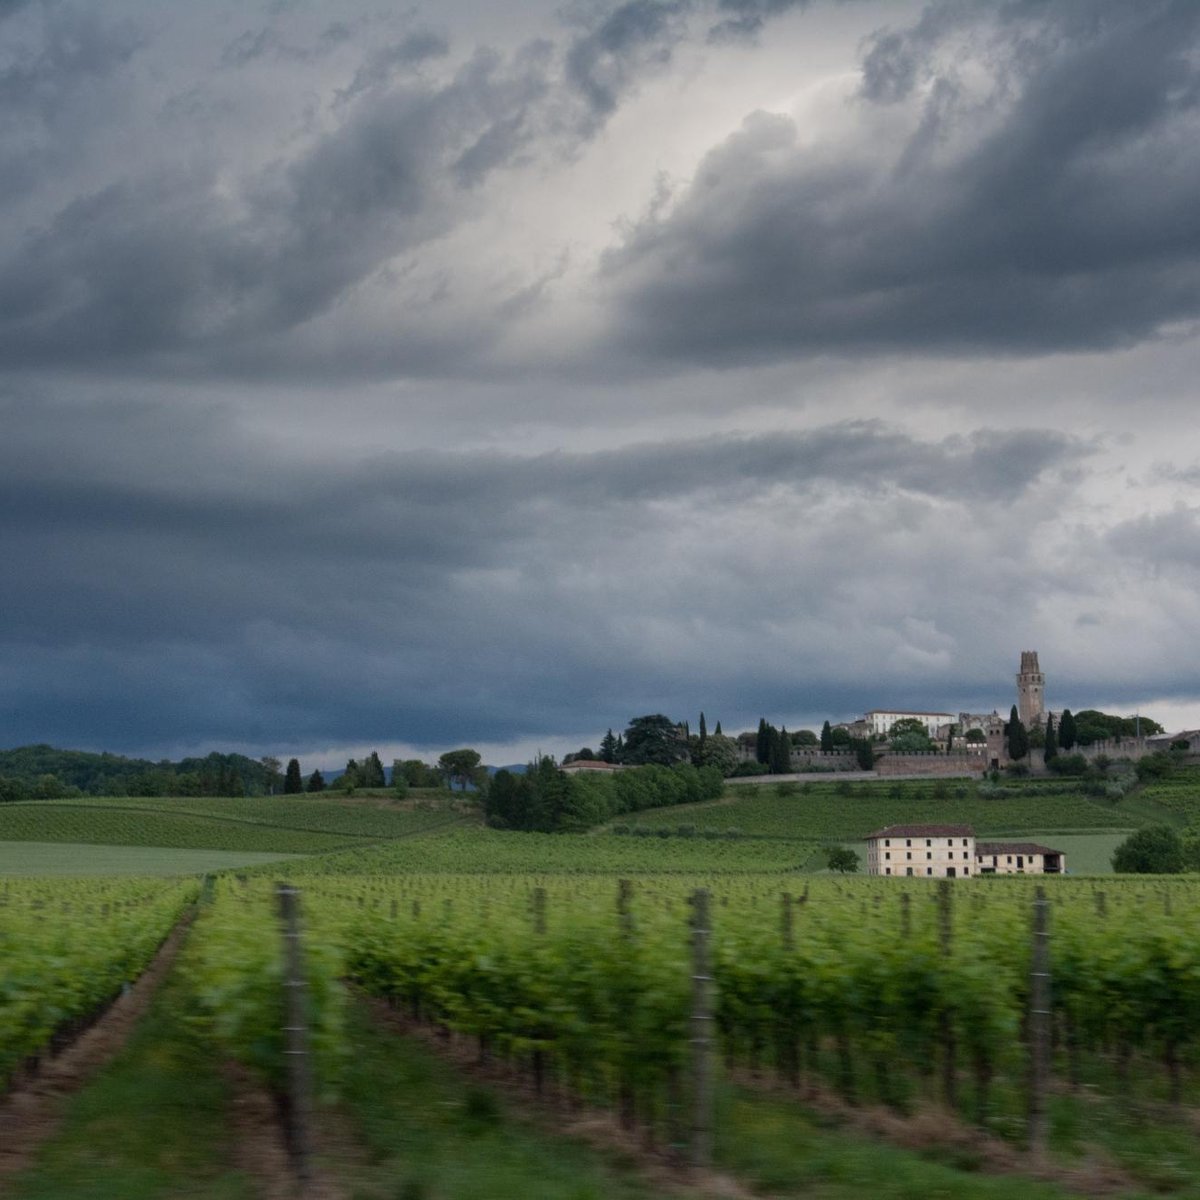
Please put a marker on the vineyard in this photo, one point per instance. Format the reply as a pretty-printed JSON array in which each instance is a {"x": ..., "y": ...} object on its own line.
[
  {"x": 68, "y": 947},
  {"x": 883, "y": 992}
]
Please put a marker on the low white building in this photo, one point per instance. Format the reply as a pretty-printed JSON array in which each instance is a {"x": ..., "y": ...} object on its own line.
[
  {"x": 881, "y": 720},
  {"x": 1018, "y": 858}
]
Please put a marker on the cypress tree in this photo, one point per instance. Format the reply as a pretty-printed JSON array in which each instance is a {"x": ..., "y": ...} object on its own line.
[
  {"x": 316, "y": 782},
  {"x": 703, "y": 730},
  {"x": 1066, "y": 731},
  {"x": 781, "y": 753},
  {"x": 1051, "y": 748},
  {"x": 1018, "y": 739},
  {"x": 717, "y": 732},
  {"x": 293, "y": 784},
  {"x": 608, "y": 748},
  {"x": 826, "y": 738},
  {"x": 762, "y": 745}
]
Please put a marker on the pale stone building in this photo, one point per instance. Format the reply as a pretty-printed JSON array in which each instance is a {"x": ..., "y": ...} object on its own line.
[
  {"x": 930, "y": 851},
  {"x": 879, "y": 721},
  {"x": 951, "y": 851}
]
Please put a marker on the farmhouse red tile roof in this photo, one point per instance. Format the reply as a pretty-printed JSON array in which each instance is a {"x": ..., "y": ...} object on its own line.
[
  {"x": 982, "y": 848},
  {"x": 923, "y": 831}
]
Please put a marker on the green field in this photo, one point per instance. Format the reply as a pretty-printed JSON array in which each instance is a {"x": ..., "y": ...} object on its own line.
[
  {"x": 822, "y": 813},
  {"x": 492, "y": 851},
  {"x": 30, "y": 859},
  {"x": 284, "y": 824}
]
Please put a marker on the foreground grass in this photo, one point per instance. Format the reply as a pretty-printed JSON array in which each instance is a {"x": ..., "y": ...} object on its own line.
[{"x": 151, "y": 1125}]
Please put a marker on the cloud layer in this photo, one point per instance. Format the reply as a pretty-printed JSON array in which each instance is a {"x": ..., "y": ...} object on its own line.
[{"x": 493, "y": 374}]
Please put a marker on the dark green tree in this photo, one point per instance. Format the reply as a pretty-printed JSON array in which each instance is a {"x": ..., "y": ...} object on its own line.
[
  {"x": 399, "y": 780},
  {"x": 350, "y": 777},
  {"x": 864, "y": 752},
  {"x": 842, "y": 859},
  {"x": 1154, "y": 850},
  {"x": 608, "y": 748},
  {"x": 271, "y": 765},
  {"x": 316, "y": 782},
  {"x": 717, "y": 731},
  {"x": 654, "y": 739},
  {"x": 293, "y": 783},
  {"x": 462, "y": 767},
  {"x": 1050, "y": 747},
  {"x": 762, "y": 745},
  {"x": 1066, "y": 731},
  {"x": 826, "y": 738},
  {"x": 781, "y": 753},
  {"x": 370, "y": 773},
  {"x": 1018, "y": 739}
]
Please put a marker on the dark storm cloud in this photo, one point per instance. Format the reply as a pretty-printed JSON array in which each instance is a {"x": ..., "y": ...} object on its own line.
[
  {"x": 1059, "y": 210},
  {"x": 168, "y": 263},
  {"x": 747, "y": 17},
  {"x": 1169, "y": 540},
  {"x": 603, "y": 63},
  {"x": 348, "y": 602}
]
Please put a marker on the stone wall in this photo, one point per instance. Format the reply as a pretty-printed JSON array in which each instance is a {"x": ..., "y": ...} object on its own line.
[{"x": 933, "y": 764}]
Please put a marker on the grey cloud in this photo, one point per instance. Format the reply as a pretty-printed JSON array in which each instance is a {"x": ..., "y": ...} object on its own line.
[
  {"x": 603, "y": 63},
  {"x": 1170, "y": 539},
  {"x": 1069, "y": 220},
  {"x": 747, "y": 17}
]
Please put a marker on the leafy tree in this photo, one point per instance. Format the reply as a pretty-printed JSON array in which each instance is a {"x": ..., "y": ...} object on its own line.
[
  {"x": 842, "y": 859},
  {"x": 419, "y": 774},
  {"x": 1018, "y": 739},
  {"x": 781, "y": 753},
  {"x": 293, "y": 783},
  {"x": 316, "y": 782},
  {"x": 840, "y": 739},
  {"x": 1154, "y": 850},
  {"x": 720, "y": 752},
  {"x": 826, "y": 738},
  {"x": 370, "y": 772},
  {"x": 975, "y": 736},
  {"x": 350, "y": 777},
  {"x": 654, "y": 739},
  {"x": 399, "y": 780},
  {"x": 608, "y": 748},
  {"x": 1050, "y": 746},
  {"x": 461, "y": 767},
  {"x": 271, "y": 765},
  {"x": 1066, "y": 731},
  {"x": 805, "y": 739}
]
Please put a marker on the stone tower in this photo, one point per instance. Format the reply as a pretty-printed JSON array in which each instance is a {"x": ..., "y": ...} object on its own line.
[{"x": 1031, "y": 691}]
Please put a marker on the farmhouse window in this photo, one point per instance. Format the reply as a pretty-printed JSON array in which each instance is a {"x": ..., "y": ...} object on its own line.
[
  {"x": 964, "y": 841},
  {"x": 1020, "y": 860},
  {"x": 888, "y": 871},
  {"x": 909, "y": 871},
  {"x": 887, "y": 841},
  {"x": 927, "y": 854},
  {"x": 1009, "y": 860},
  {"x": 908, "y": 841},
  {"x": 929, "y": 841},
  {"x": 908, "y": 854},
  {"x": 888, "y": 855},
  {"x": 928, "y": 870}
]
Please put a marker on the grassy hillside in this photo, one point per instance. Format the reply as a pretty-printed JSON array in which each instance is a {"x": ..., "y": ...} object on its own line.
[
  {"x": 281, "y": 824},
  {"x": 822, "y": 811},
  {"x": 70, "y": 859}
]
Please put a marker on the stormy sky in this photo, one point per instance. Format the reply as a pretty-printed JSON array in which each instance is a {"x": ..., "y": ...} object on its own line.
[{"x": 411, "y": 376}]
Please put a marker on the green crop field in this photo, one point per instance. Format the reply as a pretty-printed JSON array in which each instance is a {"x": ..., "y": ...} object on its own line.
[
  {"x": 823, "y": 814},
  {"x": 54, "y": 821},
  {"x": 283, "y": 825},
  {"x": 492, "y": 851},
  {"x": 30, "y": 859}
]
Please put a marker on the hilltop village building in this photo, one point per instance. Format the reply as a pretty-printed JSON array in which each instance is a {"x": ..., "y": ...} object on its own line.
[
  {"x": 951, "y": 851},
  {"x": 879, "y": 721}
]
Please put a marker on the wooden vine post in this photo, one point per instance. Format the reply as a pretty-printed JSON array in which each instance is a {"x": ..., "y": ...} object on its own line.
[
  {"x": 701, "y": 1021},
  {"x": 299, "y": 1070},
  {"x": 1039, "y": 1023},
  {"x": 945, "y": 899}
]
